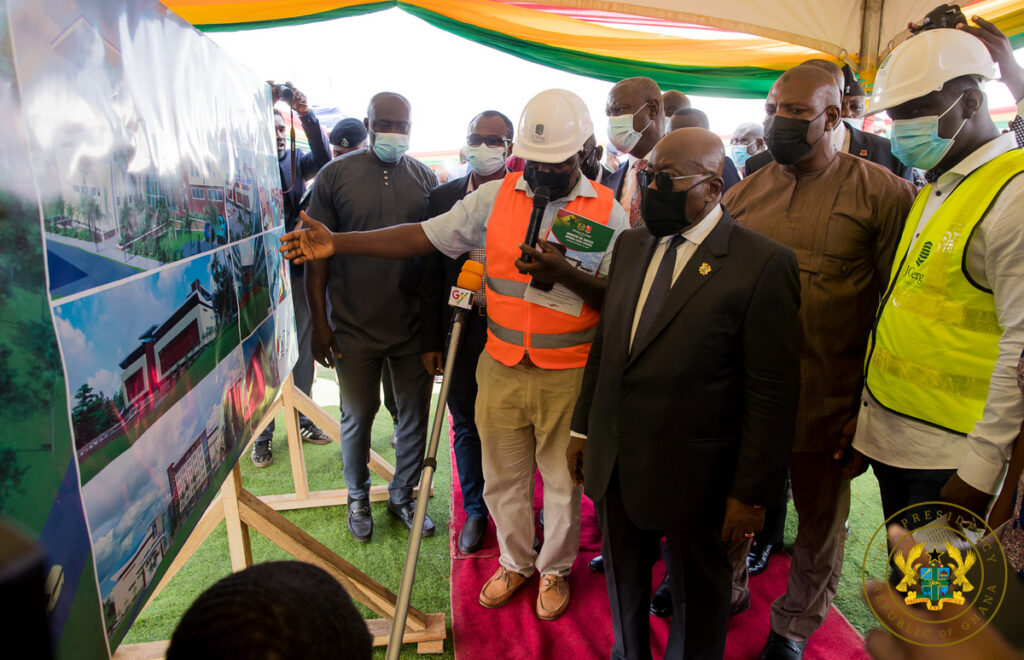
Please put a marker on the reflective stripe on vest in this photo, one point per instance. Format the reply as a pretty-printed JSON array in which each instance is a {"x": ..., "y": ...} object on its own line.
[
  {"x": 554, "y": 340},
  {"x": 936, "y": 337}
]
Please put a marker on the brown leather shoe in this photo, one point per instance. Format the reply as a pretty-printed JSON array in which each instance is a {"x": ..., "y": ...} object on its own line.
[
  {"x": 553, "y": 597},
  {"x": 499, "y": 589}
]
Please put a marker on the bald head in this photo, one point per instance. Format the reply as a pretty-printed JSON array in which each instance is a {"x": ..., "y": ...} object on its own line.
[
  {"x": 674, "y": 101},
  {"x": 693, "y": 158},
  {"x": 748, "y": 132},
  {"x": 832, "y": 69},
  {"x": 690, "y": 151},
  {"x": 641, "y": 98},
  {"x": 390, "y": 104},
  {"x": 642, "y": 87},
  {"x": 811, "y": 84}
]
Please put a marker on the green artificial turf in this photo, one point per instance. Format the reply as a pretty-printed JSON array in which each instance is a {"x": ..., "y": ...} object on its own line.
[{"x": 383, "y": 557}]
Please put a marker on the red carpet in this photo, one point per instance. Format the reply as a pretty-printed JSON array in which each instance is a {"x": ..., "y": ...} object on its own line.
[{"x": 514, "y": 632}]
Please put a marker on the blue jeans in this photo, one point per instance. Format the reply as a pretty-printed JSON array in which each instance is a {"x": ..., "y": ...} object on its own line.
[{"x": 461, "y": 402}]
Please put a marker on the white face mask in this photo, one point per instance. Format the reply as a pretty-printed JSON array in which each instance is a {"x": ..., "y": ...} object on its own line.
[
  {"x": 485, "y": 160},
  {"x": 621, "y": 132},
  {"x": 857, "y": 123}
]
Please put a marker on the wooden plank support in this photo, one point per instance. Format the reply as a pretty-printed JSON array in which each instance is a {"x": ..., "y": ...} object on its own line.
[
  {"x": 296, "y": 542},
  {"x": 239, "y": 543},
  {"x": 145, "y": 651},
  {"x": 295, "y": 453},
  {"x": 430, "y": 640}
]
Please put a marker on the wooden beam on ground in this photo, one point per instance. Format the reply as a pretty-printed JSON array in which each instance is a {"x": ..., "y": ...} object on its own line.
[
  {"x": 296, "y": 542},
  {"x": 430, "y": 640},
  {"x": 144, "y": 651}
]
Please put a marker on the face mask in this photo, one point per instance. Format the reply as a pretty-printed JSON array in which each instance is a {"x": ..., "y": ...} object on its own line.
[
  {"x": 485, "y": 160},
  {"x": 739, "y": 154},
  {"x": 916, "y": 142},
  {"x": 621, "y": 132},
  {"x": 787, "y": 138},
  {"x": 664, "y": 211},
  {"x": 857, "y": 122},
  {"x": 557, "y": 183},
  {"x": 390, "y": 147}
]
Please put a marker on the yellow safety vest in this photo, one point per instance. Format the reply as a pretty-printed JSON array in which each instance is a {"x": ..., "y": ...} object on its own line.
[{"x": 936, "y": 336}]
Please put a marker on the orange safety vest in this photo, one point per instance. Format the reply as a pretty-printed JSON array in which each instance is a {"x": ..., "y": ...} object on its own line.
[{"x": 554, "y": 340}]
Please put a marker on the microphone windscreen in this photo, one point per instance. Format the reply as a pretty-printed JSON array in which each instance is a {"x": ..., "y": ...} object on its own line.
[{"x": 472, "y": 275}]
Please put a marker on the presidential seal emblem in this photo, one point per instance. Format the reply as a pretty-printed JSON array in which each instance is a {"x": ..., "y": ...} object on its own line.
[{"x": 940, "y": 579}]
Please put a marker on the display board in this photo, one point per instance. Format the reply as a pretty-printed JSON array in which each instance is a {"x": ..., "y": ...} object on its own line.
[{"x": 145, "y": 319}]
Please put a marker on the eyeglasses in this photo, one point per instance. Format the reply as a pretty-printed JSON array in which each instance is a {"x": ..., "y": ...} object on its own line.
[
  {"x": 475, "y": 140},
  {"x": 663, "y": 180}
]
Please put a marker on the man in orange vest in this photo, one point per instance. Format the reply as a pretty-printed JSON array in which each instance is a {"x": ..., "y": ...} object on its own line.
[{"x": 537, "y": 342}]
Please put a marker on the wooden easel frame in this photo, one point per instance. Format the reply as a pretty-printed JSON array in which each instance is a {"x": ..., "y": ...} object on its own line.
[{"x": 242, "y": 511}]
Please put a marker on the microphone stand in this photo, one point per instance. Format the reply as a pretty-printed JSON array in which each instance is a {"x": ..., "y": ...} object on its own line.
[{"x": 426, "y": 481}]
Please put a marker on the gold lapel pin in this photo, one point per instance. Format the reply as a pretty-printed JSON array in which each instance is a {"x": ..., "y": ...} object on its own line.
[{"x": 704, "y": 268}]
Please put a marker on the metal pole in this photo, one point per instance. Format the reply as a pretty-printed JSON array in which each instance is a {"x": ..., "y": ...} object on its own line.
[{"x": 426, "y": 480}]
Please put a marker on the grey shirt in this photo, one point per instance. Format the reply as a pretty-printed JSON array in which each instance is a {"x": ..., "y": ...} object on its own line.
[{"x": 374, "y": 303}]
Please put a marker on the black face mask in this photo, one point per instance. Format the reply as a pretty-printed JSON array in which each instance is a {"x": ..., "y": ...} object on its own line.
[
  {"x": 557, "y": 183},
  {"x": 787, "y": 138},
  {"x": 664, "y": 211}
]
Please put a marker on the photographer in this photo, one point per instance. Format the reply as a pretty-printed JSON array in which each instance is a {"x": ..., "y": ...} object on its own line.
[{"x": 296, "y": 167}]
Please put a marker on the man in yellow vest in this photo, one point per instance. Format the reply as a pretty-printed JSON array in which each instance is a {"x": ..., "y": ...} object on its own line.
[
  {"x": 941, "y": 408},
  {"x": 530, "y": 372}
]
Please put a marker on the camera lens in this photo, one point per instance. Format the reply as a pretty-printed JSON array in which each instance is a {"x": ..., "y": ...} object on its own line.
[{"x": 286, "y": 94}]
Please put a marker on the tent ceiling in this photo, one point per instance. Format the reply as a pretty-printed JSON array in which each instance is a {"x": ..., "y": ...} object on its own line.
[{"x": 751, "y": 42}]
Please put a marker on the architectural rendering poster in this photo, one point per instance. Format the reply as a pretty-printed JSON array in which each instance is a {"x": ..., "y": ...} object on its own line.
[{"x": 145, "y": 320}]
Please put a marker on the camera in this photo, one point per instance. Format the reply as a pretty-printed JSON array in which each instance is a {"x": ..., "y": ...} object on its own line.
[
  {"x": 943, "y": 16},
  {"x": 282, "y": 92}
]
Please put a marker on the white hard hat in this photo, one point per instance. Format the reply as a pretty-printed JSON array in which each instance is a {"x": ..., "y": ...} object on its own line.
[
  {"x": 925, "y": 62},
  {"x": 554, "y": 125}
]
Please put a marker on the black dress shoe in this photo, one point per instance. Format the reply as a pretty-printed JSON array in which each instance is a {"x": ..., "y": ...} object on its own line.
[
  {"x": 779, "y": 648},
  {"x": 360, "y": 522},
  {"x": 596, "y": 564},
  {"x": 661, "y": 603},
  {"x": 472, "y": 536},
  {"x": 406, "y": 512},
  {"x": 757, "y": 558}
]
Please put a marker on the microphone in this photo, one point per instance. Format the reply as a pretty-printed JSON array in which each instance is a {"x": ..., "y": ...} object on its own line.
[
  {"x": 541, "y": 197},
  {"x": 461, "y": 299},
  {"x": 470, "y": 279}
]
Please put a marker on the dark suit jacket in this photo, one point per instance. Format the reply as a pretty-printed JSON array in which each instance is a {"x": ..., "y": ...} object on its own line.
[
  {"x": 869, "y": 146},
  {"x": 615, "y": 179},
  {"x": 439, "y": 272},
  {"x": 704, "y": 406}
]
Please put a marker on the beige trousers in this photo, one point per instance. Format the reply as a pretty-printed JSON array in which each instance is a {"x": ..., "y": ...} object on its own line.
[{"x": 523, "y": 414}]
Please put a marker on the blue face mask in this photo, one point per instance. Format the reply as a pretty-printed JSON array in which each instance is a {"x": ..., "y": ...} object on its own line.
[
  {"x": 390, "y": 147},
  {"x": 916, "y": 142},
  {"x": 739, "y": 154}
]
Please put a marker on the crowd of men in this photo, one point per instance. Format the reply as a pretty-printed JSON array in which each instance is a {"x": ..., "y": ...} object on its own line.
[{"x": 775, "y": 321}]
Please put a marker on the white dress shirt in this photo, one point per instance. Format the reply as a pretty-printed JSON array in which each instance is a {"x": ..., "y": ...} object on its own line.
[
  {"x": 995, "y": 259},
  {"x": 693, "y": 236},
  {"x": 464, "y": 227}
]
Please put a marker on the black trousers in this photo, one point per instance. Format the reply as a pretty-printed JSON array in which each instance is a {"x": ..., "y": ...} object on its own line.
[{"x": 701, "y": 584}]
